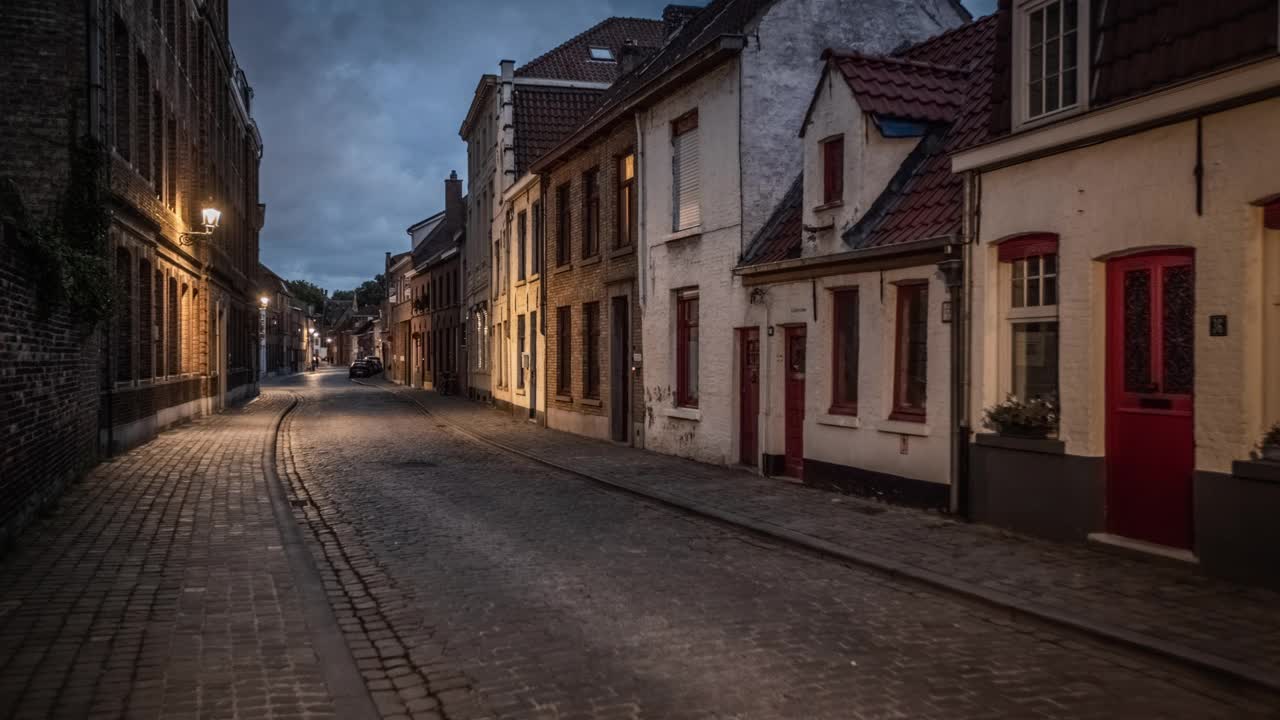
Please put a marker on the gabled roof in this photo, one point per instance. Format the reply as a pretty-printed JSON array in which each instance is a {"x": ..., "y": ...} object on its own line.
[
  {"x": 544, "y": 116},
  {"x": 781, "y": 235},
  {"x": 571, "y": 60},
  {"x": 925, "y": 200},
  {"x": 441, "y": 238},
  {"x": 900, "y": 88}
]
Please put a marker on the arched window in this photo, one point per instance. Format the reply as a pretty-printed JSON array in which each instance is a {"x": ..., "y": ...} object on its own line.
[
  {"x": 124, "y": 316},
  {"x": 146, "y": 355}
]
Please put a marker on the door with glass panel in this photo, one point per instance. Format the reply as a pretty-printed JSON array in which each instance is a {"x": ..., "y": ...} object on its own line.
[{"x": 1150, "y": 391}]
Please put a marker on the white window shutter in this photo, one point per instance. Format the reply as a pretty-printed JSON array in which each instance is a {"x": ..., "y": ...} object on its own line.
[{"x": 686, "y": 197}]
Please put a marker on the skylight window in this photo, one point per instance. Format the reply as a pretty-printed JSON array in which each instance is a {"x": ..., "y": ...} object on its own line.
[{"x": 602, "y": 54}]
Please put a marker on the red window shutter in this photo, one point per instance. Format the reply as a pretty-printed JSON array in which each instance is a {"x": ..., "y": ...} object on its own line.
[{"x": 1028, "y": 244}]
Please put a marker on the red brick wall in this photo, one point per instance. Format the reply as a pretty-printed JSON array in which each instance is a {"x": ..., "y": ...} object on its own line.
[{"x": 610, "y": 273}]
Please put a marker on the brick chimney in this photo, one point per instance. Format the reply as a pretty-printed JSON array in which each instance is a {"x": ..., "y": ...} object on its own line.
[
  {"x": 675, "y": 16},
  {"x": 454, "y": 212}
]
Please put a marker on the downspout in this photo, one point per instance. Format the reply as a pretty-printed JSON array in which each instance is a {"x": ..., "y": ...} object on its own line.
[{"x": 642, "y": 243}]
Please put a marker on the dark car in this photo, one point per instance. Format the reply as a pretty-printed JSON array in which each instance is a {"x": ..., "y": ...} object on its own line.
[
  {"x": 359, "y": 368},
  {"x": 375, "y": 365}
]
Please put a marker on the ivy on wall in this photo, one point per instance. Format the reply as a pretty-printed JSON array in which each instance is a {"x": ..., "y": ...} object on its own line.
[{"x": 67, "y": 248}]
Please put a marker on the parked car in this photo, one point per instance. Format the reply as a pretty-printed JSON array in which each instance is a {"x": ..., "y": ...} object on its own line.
[
  {"x": 359, "y": 368},
  {"x": 375, "y": 365}
]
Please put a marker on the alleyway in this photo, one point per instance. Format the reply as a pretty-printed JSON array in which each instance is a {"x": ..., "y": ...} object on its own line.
[{"x": 472, "y": 583}]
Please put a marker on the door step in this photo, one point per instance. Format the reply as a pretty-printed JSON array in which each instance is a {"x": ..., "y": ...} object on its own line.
[{"x": 1142, "y": 547}]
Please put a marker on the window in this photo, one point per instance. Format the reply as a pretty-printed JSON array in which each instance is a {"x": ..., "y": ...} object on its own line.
[
  {"x": 538, "y": 239},
  {"x": 174, "y": 338},
  {"x": 564, "y": 222},
  {"x": 160, "y": 324},
  {"x": 522, "y": 232},
  {"x": 590, "y": 213},
  {"x": 844, "y": 353},
  {"x": 591, "y": 344},
  {"x": 564, "y": 350},
  {"x": 1051, "y": 51},
  {"x": 520, "y": 352},
  {"x": 124, "y": 316},
  {"x": 687, "y": 348},
  {"x": 833, "y": 169},
  {"x": 1029, "y": 266},
  {"x": 911, "y": 353},
  {"x": 686, "y": 200},
  {"x": 142, "y": 111},
  {"x": 602, "y": 54},
  {"x": 627, "y": 220},
  {"x": 145, "y": 299},
  {"x": 120, "y": 87}
]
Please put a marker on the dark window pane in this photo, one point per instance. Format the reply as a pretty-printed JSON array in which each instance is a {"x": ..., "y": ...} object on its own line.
[
  {"x": 1137, "y": 331},
  {"x": 1035, "y": 360},
  {"x": 1177, "y": 329}
]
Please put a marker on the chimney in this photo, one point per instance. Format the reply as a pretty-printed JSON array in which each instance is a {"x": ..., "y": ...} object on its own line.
[
  {"x": 629, "y": 56},
  {"x": 454, "y": 214},
  {"x": 675, "y": 16}
]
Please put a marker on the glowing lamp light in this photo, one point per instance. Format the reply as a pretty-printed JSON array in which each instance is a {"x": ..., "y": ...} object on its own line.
[
  {"x": 264, "y": 300},
  {"x": 210, "y": 217}
]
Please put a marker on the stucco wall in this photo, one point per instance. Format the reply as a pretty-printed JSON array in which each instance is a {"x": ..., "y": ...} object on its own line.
[
  {"x": 1128, "y": 195},
  {"x": 870, "y": 160},
  {"x": 520, "y": 298},
  {"x": 870, "y": 441},
  {"x": 780, "y": 69}
]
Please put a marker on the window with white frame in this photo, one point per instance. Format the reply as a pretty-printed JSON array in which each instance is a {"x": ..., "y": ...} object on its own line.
[
  {"x": 1050, "y": 47},
  {"x": 1029, "y": 267},
  {"x": 686, "y": 196}
]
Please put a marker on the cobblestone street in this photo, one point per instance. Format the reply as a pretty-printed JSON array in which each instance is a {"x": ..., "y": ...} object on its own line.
[{"x": 468, "y": 582}]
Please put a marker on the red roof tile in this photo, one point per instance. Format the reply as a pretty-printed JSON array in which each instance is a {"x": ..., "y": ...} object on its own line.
[
  {"x": 780, "y": 237},
  {"x": 901, "y": 88},
  {"x": 572, "y": 59},
  {"x": 925, "y": 199},
  {"x": 544, "y": 116}
]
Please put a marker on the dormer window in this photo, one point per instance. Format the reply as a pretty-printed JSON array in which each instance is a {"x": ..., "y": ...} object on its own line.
[
  {"x": 1050, "y": 48},
  {"x": 602, "y": 54}
]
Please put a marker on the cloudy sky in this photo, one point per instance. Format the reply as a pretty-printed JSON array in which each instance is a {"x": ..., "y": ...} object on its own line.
[{"x": 359, "y": 103}]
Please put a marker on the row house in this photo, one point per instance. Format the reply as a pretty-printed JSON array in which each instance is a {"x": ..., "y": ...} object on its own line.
[
  {"x": 704, "y": 134},
  {"x": 1124, "y": 257},
  {"x": 516, "y": 116},
  {"x": 181, "y": 140},
  {"x": 283, "y": 331},
  {"x": 398, "y": 312}
]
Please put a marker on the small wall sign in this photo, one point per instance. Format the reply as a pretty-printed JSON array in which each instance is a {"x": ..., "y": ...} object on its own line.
[
  {"x": 1217, "y": 326},
  {"x": 946, "y": 311}
]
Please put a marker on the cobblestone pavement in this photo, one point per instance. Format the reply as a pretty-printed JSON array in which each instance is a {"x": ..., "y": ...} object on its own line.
[
  {"x": 1166, "y": 602},
  {"x": 475, "y": 583},
  {"x": 158, "y": 588}
]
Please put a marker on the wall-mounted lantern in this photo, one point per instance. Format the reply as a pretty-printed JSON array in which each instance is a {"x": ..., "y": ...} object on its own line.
[{"x": 209, "y": 217}]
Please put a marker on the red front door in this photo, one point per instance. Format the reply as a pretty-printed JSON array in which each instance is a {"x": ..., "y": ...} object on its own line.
[
  {"x": 1150, "y": 375},
  {"x": 794, "y": 461},
  {"x": 748, "y": 394}
]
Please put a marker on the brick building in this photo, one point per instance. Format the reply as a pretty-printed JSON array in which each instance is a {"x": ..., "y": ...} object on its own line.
[
  {"x": 156, "y": 86},
  {"x": 181, "y": 140},
  {"x": 436, "y": 288}
]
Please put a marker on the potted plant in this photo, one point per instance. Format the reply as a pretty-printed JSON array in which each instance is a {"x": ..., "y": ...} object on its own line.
[
  {"x": 1270, "y": 445},
  {"x": 1034, "y": 418}
]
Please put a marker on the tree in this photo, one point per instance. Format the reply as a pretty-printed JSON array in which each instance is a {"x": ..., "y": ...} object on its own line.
[
  {"x": 371, "y": 292},
  {"x": 307, "y": 293}
]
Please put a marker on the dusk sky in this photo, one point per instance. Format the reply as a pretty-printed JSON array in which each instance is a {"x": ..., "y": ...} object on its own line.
[{"x": 359, "y": 103}]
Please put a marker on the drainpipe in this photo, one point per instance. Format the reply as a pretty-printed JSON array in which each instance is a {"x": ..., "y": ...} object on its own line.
[
  {"x": 642, "y": 248},
  {"x": 952, "y": 270}
]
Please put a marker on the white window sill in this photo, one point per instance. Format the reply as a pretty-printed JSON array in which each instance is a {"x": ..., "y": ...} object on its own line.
[
  {"x": 844, "y": 421},
  {"x": 900, "y": 427},
  {"x": 694, "y": 231},
  {"x": 683, "y": 413}
]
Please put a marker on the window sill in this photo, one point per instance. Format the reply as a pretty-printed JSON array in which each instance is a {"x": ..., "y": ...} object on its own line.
[
  {"x": 839, "y": 420},
  {"x": 520, "y": 283},
  {"x": 623, "y": 251},
  {"x": 683, "y": 413},
  {"x": 693, "y": 232},
  {"x": 898, "y": 426},
  {"x": 564, "y": 398},
  {"x": 563, "y": 268},
  {"x": 584, "y": 262},
  {"x": 829, "y": 205},
  {"x": 590, "y": 402}
]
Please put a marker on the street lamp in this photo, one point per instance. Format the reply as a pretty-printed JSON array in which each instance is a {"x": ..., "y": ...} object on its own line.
[
  {"x": 264, "y": 300},
  {"x": 209, "y": 217}
]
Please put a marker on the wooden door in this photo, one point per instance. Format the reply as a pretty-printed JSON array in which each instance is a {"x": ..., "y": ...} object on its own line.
[
  {"x": 748, "y": 396},
  {"x": 1150, "y": 376},
  {"x": 793, "y": 463},
  {"x": 619, "y": 369}
]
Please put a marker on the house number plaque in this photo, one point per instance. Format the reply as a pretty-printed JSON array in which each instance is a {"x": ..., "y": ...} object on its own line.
[{"x": 1217, "y": 326}]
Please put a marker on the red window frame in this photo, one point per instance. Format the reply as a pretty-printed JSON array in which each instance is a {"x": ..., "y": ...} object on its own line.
[
  {"x": 844, "y": 315},
  {"x": 1025, "y": 245},
  {"x": 833, "y": 169},
  {"x": 908, "y": 293},
  {"x": 686, "y": 336}
]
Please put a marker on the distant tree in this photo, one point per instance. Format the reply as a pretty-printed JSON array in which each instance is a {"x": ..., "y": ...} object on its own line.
[
  {"x": 307, "y": 293},
  {"x": 339, "y": 302},
  {"x": 370, "y": 293}
]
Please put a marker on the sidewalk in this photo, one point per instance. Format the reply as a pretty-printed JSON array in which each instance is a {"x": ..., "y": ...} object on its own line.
[
  {"x": 1168, "y": 609},
  {"x": 159, "y": 586}
]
